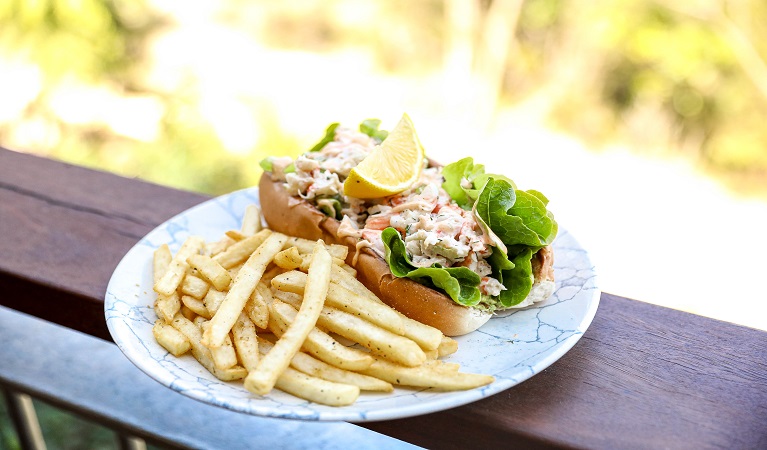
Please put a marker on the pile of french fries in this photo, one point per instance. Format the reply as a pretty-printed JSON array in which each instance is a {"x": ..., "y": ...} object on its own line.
[{"x": 285, "y": 312}]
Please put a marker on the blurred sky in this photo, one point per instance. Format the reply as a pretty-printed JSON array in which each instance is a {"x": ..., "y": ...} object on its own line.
[{"x": 657, "y": 228}]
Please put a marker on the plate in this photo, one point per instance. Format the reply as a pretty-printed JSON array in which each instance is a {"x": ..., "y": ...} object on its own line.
[{"x": 512, "y": 346}]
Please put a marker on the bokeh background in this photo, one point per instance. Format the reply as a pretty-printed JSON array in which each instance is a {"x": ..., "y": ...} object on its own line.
[{"x": 644, "y": 122}]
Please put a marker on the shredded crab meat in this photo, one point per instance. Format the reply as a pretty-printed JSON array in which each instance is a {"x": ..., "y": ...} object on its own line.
[{"x": 434, "y": 229}]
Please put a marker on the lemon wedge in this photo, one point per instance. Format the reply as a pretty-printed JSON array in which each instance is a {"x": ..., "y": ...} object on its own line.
[{"x": 391, "y": 167}]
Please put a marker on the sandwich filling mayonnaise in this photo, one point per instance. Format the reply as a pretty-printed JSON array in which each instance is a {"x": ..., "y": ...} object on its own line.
[{"x": 437, "y": 231}]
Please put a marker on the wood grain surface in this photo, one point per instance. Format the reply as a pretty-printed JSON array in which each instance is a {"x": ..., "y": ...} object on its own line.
[
  {"x": 642, "y": 376},
  {"x": 64, "y": 229}
]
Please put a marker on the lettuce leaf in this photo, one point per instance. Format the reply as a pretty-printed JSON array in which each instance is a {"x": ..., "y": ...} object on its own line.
[
  {"x": 518, "y": 218},
  {"x": 370, "y": 127},
  {"x": 473, "y": 174},
  {"x": 516, "y": 274},
  {"x": 517, "y": 222},
  {"x": 460, "y": 283},
  {"x": 330, "y": 136},
  {"x": 454, "y": 174},
  {"x": 266, "y": 164}
]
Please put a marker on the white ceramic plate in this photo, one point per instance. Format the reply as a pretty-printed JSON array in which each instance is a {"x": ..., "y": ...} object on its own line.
[{"x": 512, "y": 347}]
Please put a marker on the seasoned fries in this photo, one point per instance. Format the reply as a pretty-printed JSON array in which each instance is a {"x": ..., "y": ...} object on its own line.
[
  {"x": 426, "y": 376},
  {"x": 311, "y": 366},
  {"x": 319, "y": 343},
  {"x": 174, "y": 275},
  {"x": 251, "y": 220},
  {"x": 343, "y": 299},
  {"x": 241, "y": 250},
  {"x": 170, "y": 338},
  {"x": 330, "y": 337},
  {"x": 165, "y": 306},
  {"x": 290, "y": 259},
  {"x": 262, "y": 380},
  {"x": 211, "y": 270},
  {"x": 242, "y": 288}
]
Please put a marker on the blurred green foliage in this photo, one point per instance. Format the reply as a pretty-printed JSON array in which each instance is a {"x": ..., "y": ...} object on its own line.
[
  {"x": 683, "y": 78},
  {"x": 95, "y": 40}
]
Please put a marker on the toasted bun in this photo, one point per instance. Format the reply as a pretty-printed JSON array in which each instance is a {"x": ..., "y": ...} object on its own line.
[{"x": 292, "y": 216}]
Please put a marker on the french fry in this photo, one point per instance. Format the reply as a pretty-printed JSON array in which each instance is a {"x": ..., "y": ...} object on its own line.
[
  {"x": 289, "y": 259},
  {"x": 306, "y": 246},
  {"x": 212, "y": 300},
  {"x": 186, "y": 312},
  {"x": 345, "y": 300},
  {"x": 348, "y": 281},
  {"x": 257, "y": 307},
  {"x": 161, "y": 259},
  {"x": 447, "y": 346},
  {"x": 262, "y": 380},
  {"x": 316, "y": 389},
  {"x": 429, "y": 338},
  {"x": 214, "y": 248},
  {"x": 349, "y": 269},
  {"x": 241, "y": 250},
  {"x": 271, "y": 272},
  {"x": 443, "y": 366},
  {"x": 306, "y": 259},
  {"x": 236, "y": 235},
  {"x": 426, "y": 376},
  {"x": 224, "y": 356},
  {"x": 241, "y": 289},
  {"x": 314, "y": 367},
  {"x": 378, "y": 340},
  {"x": 233, "y": 271},
  {"x": 165, "y": 306},
  {"x": 172, "y": 278},
  {"x": 291, "y": 298},
  {"x": 318, "y": 343},
  {"x": 202, "y": 354},
  {"x": 170, "y": 338},
  {"x": 251, "y": 220},
  {"x": 197, "y": 306},
  {"x": 211, "y": 271},
  {"x": 246, "y": 342},
  {"x": 194, "y": 286}
]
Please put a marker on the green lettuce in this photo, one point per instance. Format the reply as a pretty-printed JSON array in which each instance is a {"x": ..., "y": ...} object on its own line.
[
  {"x": 517, "y": 223},
  {"x": 330, "y": 136},
  {"x": 474, "y": 175},
  {"x": 460, "y": 283},
  {"x": 331, "y": 207},
  {"x": 266, "y": 164},
  {"x": 515, "y": 274},
  {"x": 518, "y": 218},
  {"x": 370, "y": 127}
]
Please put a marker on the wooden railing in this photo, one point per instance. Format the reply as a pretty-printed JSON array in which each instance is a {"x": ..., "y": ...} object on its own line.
[{"x": 641, "y": 376}]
